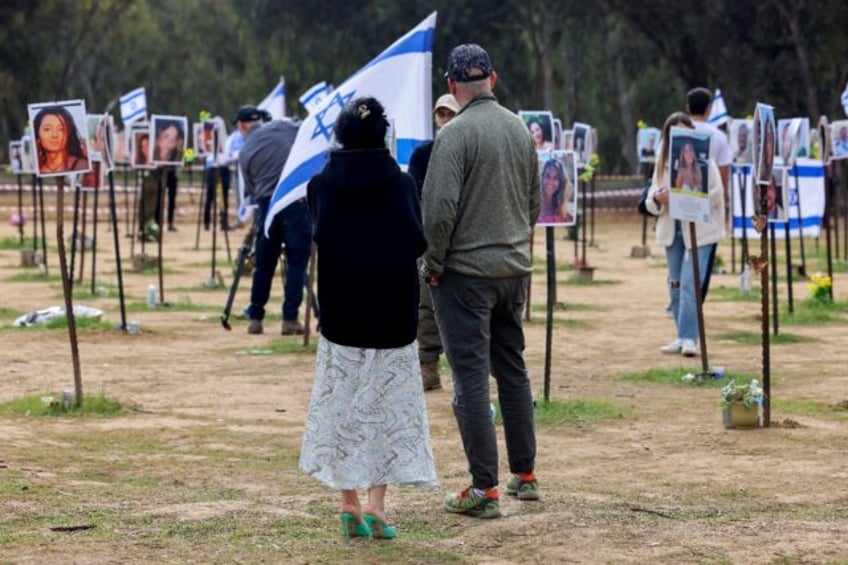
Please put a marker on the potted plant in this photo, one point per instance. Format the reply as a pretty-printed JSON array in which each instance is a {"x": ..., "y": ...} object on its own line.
[{"x": 741, "y": 402}]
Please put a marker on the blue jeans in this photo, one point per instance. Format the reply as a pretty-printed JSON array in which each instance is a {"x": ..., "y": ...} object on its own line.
[
  {"x": 292, "y": 226},
  {"x": 480, "y": 321},
  {"x": 681, "y": 283}
]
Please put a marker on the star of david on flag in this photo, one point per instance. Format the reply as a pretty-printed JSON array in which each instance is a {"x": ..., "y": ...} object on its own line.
[{"x": 400, "y": 78}]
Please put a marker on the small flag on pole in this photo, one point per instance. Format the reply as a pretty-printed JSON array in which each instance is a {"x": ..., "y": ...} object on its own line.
[
  {"x": 316, "y": 94},
  {"x": 718, "y": 114},
  {"x": 275, "y": 102},
  {"x": 133, "y": 106}
]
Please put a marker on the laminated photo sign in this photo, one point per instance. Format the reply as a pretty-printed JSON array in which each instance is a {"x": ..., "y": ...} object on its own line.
[{"x": 689, "y": 200}]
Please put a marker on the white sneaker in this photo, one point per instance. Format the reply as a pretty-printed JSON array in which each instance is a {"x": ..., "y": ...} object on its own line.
[
  {"x": 672, "y": 348},
  {"x": 688, "y": 348}
]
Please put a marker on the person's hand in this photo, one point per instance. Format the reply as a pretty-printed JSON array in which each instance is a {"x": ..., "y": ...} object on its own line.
[{"x": 661, "y": 195}]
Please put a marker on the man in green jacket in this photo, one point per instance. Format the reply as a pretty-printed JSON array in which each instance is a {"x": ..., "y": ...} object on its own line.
[{"x": 480, "y": 200}]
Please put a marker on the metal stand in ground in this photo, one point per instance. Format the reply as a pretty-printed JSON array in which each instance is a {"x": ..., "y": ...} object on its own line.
[
  {"x": 592, "y": 213},
  {"x": 97, "y": 172},
  {"x": 551, "y": 303},
  {"x": 34, "y": 217},
  {"x": 696, "y": 279},
  {"x": 803, "y": 269},
  {"x": 75, "y": 238},
  {"x": 244, "y": 252},
  {"x": 787, "y": 233},
  {"x": 67, "y": 290},
  {"x": 828, "y": 214},
  {"x": 159, "y": 243},
  {"x": 20, "y": 209},
  {"x": 116, "y": 240},
  {"x": 59, "y": 212},
  {"x": 201, "y": 203},
  {"x": 773, "y": 264}
]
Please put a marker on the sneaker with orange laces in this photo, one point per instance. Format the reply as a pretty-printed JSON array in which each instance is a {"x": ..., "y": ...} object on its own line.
[{"x": 475, "y": 502}]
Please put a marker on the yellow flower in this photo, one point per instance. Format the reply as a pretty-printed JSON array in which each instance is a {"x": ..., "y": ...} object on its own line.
[
  {"x": 641, "y": 124},
  {"x": 204, "y": 115}
]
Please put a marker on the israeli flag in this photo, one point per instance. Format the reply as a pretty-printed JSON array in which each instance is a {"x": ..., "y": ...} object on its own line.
[
  {"x": 845, "y": 99},
  {"x": 275, "y": 102},
  {"x": 718, "y": 113},
  {"x": 133, "y": 106},
  {"x": 809, "y": 189},
  {"x": 314, "y": 96},
  {"x": 400, "y": 78}
]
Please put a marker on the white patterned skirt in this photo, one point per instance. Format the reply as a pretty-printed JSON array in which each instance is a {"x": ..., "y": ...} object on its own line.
[{"x": 367, "y": 421}]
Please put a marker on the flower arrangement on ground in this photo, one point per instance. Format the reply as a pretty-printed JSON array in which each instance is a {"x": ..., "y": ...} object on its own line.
[
  {"x": 820, "y": 289},
  {"x": 749, "y": 394}
]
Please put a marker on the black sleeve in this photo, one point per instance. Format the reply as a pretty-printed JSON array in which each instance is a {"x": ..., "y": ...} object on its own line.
[{"x": 418, "y": 162}]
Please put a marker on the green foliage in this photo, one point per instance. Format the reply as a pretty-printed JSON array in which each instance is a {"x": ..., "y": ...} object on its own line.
[
  {"x": 61, "y": 322},
  {"x": 14, "y": 242}
]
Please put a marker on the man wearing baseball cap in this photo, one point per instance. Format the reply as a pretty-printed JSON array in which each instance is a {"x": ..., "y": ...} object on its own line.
[
  {"x": 480, "y": 201},
  {"x": 429, "y": 341},
  {"x": 261, "y": 159}
]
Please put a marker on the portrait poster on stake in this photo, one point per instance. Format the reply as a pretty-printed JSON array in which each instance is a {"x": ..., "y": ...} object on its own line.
[
  {"x": 764, "y": 142},
  {"x": 742, "y": 141},
  {"x": 689, "y": 156},
  {"x": 122, "y": 146},
  {"x": 540, "y": 124},
  {"x": 169, "y": 139},
  {"x": 27, "y": 154},
  {"x": 582, "y": 141},
  {"x": 558, "y": 179},
  {"x": 794, "y": 139},
  {"x": 777, "y": 195},
  {"x": 558, "y": 134},
  {"x": 140, "y": 146},
  {"x": 839, "y": 139},
  {"x": 647, "y": 143},
  {"x": 197, "y": 139},
  {"x": 568, "y": 140},
  {"x": 60, "y": 143},
  {"x": 16, "y": 157}
]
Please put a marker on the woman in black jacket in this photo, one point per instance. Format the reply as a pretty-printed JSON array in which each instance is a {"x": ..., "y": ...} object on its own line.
[{"x": 367, "y": 424}]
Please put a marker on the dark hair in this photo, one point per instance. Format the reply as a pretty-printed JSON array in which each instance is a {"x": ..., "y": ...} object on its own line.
[
  {"x": 676, "y": 119},
  {"x": 698, "y": 100},
  {"x": 559, "y": 195},
  {"x": 74, "y": 146},
  {"x": 362, "y": 124}
]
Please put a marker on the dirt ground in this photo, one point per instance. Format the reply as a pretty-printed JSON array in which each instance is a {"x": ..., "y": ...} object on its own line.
[{"x": 210, "y": 443}]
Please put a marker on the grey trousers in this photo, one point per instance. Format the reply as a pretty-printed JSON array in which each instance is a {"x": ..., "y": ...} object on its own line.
[
  {"x": 429, "y": 340},
  {"x": 481, "y": 326}
]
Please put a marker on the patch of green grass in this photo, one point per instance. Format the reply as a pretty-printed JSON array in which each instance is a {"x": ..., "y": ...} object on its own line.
[
  {"x": 561, "y": 321},
  {"x": 808, "y": 312},
  {"x": 733, "y": 294},
  {"x": 286, "y": 346},
  {"x": 594, "y": 282},
  {"x": 61, "y": 322},
  {"x": 83, "y": 292},
  {"x": 92, "y": 405},
  {"x": 9, "y": 313},
  {"x": 755, "y": 338},
  {"x": 675, "y": 377},
  {"x": 10, "y": 242},
  {"x": 35, "y": 276},
  {"x": 568, "y": 307},
  {"x": 808, "y": 408},
  {"x": 557, "y": 413}
]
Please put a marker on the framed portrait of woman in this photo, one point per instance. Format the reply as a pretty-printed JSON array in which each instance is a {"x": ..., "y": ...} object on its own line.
[
  {"x": 16, "y": 157},
  {"x": 540, "y": 124},
  {"x": 582, "y": 142},
  {"x": 122, "y": 146},
  {"x": 27, "y": 154},
  {"x": 558, "y": 180},
  {"x": 140, "y": 147},
  {"x": 198, "y": 141},
  {"x": 793, "y": 139},
  {"x": 689, "y": 156},
  {"x": 647, "y": 144},
  {"x": 825, "y": 141},
  {"x": 558, "y": 134},
  {"x": 765, "y": 134},
  {"x": 741, "y": 141},
  {"x": 60, "y": 141},
  {"x": 169, "y": 139},
  {"x": 839, "y": 139}
]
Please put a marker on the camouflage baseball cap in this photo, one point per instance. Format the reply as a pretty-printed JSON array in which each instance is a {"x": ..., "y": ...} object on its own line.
[{"x": 467, "y": 63}]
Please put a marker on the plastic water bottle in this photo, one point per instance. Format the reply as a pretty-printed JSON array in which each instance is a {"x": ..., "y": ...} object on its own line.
[{"x": 151, "y": 296}]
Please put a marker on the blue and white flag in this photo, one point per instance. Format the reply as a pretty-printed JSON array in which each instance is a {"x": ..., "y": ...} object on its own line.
[
  {"x": 400, "y": 78},
  {"x": 275, "y": 102},
  {"x": 133, "y": 106},
  {"x": 315, "y": 95},
  {"x": 812, "y": 198},
  {"x": 718, "y": 113},
  {"x": 845, "y": 99}
]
